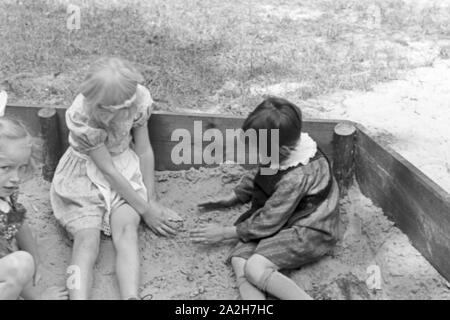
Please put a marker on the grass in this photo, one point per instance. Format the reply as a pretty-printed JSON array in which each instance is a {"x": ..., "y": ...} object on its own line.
[{"x": 187, "y": 50}]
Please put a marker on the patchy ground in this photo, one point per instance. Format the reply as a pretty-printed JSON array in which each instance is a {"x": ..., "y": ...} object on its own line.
[
  {"x": 204, "y": 54},
  {"x": 177, "y": 269}
]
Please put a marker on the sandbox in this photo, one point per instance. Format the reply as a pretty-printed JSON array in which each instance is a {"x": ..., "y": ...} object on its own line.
[
  {"x": 175, "y": 268},
  {"x": 406, "y": 236}
]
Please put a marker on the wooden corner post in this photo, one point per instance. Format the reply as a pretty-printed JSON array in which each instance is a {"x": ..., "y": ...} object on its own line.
[
  {"x": 50, "y": 134},
  {"x": 344, "y": 154}
]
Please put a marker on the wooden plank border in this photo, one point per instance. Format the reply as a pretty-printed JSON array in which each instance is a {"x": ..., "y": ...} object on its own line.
[
  {"x": 162, "y": 124},
  {"x": 418, "y": 206}
]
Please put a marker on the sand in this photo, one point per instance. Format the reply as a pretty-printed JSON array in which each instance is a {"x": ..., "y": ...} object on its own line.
[
  {"x": 370, "y": 238},
  {"x": 177, "y": 269}
]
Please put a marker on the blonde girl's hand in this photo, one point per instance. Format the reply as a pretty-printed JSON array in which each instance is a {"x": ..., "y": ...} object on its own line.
[
  {"x": 158, "y": 222},
  {"x": 208, "y": 234},
  {"x": 219, "y": 202}
]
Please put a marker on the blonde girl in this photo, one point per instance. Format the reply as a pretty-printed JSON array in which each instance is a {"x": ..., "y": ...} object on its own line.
[
  {"x": 105, "y": 180},
  {"x": 19, "y": 257}
]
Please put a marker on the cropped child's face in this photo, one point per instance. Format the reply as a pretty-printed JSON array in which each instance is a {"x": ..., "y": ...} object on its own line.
[{"x": 14, "y": 160}]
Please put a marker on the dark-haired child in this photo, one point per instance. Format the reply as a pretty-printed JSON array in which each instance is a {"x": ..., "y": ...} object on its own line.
[{"x": 293, "y": 218}]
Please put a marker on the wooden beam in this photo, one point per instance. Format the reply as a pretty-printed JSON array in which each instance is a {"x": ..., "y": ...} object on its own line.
[
  {"x": 162, "y": 125},
  {"x": 343, "y": 154},
  {"x": 418, "y": 206},
  {"x": 49, "y": 128}
]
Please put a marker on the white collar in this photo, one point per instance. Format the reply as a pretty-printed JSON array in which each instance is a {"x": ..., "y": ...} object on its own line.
[{"x": 304, "y": 150}]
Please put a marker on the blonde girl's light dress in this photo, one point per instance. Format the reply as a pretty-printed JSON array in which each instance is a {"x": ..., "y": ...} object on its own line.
[{"x": 80, "y": 195}]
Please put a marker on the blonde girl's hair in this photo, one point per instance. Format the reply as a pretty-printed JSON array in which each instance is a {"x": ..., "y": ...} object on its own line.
[
  {"x": 110, "y": 82},
  {"x": 13, "y": 129}
]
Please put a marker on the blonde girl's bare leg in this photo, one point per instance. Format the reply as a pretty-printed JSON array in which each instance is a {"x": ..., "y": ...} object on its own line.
[
  {"x": 124, "y": 228},
  {"x": 84, "y": 255},
  {"x": 16, "y": 271},
  {"x": 247, "y": 290}
]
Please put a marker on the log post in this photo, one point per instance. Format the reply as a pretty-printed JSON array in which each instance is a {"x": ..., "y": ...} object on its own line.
[
  {"x": 343, "y": 155},
  {"x": 48, "y": 120}
]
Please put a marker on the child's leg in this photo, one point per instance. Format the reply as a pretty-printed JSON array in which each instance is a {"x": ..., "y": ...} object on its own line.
[
  {"x": 264, "y": 274},
  {"x": 84, "y": 254},
  {"x": 16, "y": 270},
  {"x": 246, "y": 289},
  {"x": 31, "y": 292},
  {"x": 124, "y": 228}
]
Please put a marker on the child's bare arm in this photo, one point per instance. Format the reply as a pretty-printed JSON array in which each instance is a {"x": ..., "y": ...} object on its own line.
[
  {"x": 151, "y": 212},
  {"x": 27, "y": 242},
  {"x": 143, "y": 149}
]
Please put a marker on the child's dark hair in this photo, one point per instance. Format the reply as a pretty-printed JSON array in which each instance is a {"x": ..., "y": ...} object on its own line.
[{"x": 277, "y": 113}]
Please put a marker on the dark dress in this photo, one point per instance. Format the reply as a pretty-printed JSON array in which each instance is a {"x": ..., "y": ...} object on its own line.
[
  {"x": 10, "y": 224},
  {"x": 293, "y": 218}
]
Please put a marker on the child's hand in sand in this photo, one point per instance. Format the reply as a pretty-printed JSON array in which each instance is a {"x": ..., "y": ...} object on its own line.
[
  {"x": 159, "y": 222},
  {"x": 219, "y": 202},
  {"x": 212, "y": 234},
  {"x": 54, "y": 293},
  {"x": 208, "y": 234}
]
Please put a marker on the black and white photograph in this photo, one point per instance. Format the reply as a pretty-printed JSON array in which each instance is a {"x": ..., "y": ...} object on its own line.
[{"x": 206, "y": 150}]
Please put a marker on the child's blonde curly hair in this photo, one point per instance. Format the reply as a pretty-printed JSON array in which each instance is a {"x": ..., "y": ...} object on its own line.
[
  {"x": 110, "y": 82},
  {"x": 13, "y": 129}
]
